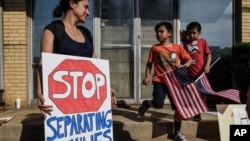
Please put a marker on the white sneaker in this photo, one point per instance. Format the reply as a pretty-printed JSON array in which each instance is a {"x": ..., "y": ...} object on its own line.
[
  {"x": 139, "y": 116},
  {"x": 179, "y": 137}
]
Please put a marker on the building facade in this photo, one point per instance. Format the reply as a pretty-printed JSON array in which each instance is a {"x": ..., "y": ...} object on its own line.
[{"x": 123, "y": 33}]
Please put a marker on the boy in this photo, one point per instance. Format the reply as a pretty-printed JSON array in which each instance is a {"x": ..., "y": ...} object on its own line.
[
  {"x": 164, "y": 56},
  {"x": 198, "y": 49}
]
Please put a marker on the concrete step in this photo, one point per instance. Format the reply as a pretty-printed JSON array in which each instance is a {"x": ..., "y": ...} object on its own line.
[
  {"x": 157, "y": 125},
  {"x": 26, "y": 125}
]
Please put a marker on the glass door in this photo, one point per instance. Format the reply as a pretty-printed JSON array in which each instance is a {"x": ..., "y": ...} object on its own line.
[
  {"x": 151, "y": 13},
  {"x": 117, "y": 44},
  {"x": 123, "y": 33},
  {"x": 127, "y": 34}
]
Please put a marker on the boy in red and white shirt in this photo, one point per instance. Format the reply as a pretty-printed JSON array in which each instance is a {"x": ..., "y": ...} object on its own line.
[{"x": 198, "y": 50}]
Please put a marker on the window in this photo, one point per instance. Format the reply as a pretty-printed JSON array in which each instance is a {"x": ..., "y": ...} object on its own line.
[
  {"x": 216, "y": 19},
  {"x": 42, "y": 17}
]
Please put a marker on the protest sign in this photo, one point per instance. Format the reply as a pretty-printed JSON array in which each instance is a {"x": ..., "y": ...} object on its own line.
[
  {"x": 233, "y": 121},
  {"x": 78, "y": 88}
]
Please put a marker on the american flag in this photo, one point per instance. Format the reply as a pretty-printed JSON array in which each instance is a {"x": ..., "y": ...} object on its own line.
[
  {"x": 205, "y": 88},
  {"x": 185, "y": 94}
]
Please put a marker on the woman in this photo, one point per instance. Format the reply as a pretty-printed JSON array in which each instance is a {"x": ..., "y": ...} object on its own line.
[{"x": 74, "y": 42}]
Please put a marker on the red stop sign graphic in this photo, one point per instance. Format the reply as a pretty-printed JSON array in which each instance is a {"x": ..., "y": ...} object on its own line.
[{"x": 77, "y": 86}]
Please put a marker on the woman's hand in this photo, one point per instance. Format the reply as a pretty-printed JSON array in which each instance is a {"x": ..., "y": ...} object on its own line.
[
  {"x": 45, "y": 109},
  {"x": 113, "y": 98}
]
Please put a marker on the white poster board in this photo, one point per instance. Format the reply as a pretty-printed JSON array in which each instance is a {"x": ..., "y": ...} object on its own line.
[
  {"x": 78, "y": 88},
  {"x": 230, "y": 114}
]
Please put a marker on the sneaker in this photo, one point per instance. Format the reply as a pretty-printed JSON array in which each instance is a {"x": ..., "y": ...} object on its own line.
[
  {"x": 197, "y": 117},
  {"x": 139, "y": 116},
  {"x": 143, "y": 108},
  {"x": 179, "y": 136}
]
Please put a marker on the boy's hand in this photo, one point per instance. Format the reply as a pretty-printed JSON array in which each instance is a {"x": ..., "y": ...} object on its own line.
[
  {"x": 146, "y": 81},
  {"x": 183, "y": 33},
  {"x": 207, "y": 69}
]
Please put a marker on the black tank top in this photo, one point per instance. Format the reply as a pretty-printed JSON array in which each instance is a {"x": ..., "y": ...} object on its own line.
[{"x": 69, "y": 46}]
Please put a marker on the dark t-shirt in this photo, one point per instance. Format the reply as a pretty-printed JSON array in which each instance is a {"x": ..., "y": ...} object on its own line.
[{"x": 69, "y": 46}]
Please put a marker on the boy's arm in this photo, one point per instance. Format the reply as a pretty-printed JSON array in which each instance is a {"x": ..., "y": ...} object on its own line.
[
  {"x": 147, "y": 74},
  {"x": 183, "y": 35},
  {"x": 207, "y": 63},
  {"x": 188, "y": 63}
]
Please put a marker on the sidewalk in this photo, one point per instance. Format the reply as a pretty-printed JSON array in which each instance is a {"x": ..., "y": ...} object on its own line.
[{"x": 27, "y": 124}]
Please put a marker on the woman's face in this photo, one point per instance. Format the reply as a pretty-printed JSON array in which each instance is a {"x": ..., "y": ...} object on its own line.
[{"x": 81, "y": 9}]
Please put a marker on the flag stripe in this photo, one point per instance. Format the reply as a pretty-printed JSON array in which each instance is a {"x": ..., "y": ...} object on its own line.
[
  {"x": 205, "y": 88},
  {"x": 187, "y": 99},
  {"x": 176, "y": 92},
  {"x": 172, "y": 90},
  {"x": 198, "y": 101}
]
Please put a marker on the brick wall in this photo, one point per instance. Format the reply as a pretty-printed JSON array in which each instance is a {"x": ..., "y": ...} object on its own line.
[
  {"x": 15, "y": 51},
  {"x": 246, "y": 20}
]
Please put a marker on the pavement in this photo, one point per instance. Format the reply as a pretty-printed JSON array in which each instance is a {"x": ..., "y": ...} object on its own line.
[{"x": 157, "y": 125}]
